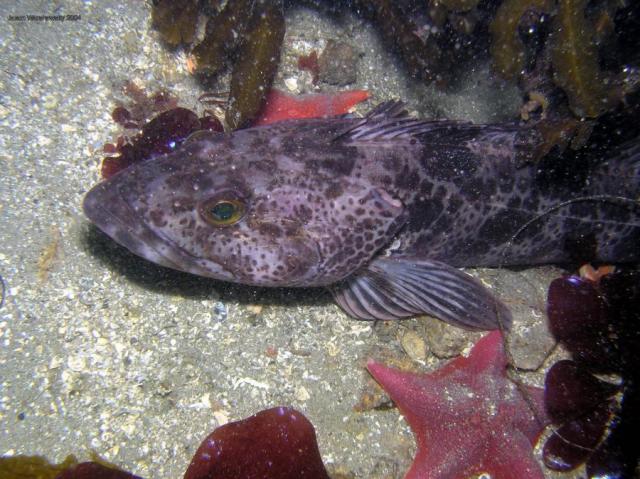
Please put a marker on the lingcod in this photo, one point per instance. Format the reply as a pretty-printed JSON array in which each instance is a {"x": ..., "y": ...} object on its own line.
[{"x": 382, "y": 210}]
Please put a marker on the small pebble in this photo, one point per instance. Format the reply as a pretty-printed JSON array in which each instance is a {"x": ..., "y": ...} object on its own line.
[
  {"x": 302, "y": 394},
  {"x": 414, "y": 346},
  {"x": 445, "y": 341},
  {"x": 220, "y": 311},
  {"x": 44, "y": 141},
  {"x": 292, "y": 84},
  {"x": 255, "y": 308},
  {"x": 50, "y": 102},
  {"x": 221, "y": 417}
]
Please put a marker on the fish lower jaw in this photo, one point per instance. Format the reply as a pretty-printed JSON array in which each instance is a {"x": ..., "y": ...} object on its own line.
[{"x": 111, "y": 214}]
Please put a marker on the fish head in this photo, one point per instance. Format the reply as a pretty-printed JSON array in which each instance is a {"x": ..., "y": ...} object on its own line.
[{"x": 216, "y": 210}]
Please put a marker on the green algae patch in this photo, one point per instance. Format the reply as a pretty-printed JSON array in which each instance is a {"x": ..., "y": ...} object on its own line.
[{"x": 33, "y": 467}]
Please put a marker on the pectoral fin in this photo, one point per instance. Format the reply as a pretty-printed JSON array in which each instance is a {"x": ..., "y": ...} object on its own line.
[{"x": 400, "y": 287}]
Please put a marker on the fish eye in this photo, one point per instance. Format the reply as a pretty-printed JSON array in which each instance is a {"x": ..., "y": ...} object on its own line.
[{"x": 222, "y": 211}]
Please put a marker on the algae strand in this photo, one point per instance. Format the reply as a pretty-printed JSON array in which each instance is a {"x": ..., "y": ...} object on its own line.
[
  {"x": 574, "y": 56},
  {"x": 257, "y": 64},
  {"x": 507, "y": 49},
  {"x": 176, "y": 20},
  {"x": 222, "y": 36}
]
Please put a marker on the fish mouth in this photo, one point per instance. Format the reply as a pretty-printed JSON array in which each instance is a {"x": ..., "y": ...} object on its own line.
[{"x": 107, "y": 209}]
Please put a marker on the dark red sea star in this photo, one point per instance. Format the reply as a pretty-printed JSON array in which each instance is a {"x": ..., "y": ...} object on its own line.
[{"x": 469, "y": 417}]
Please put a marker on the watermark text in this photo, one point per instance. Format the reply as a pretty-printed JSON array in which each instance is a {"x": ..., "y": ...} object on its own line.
[{"x": 44, "y": 18}]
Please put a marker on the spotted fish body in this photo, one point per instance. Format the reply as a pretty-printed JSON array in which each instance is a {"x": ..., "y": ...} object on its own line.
[{"x": 381, "y": 209}]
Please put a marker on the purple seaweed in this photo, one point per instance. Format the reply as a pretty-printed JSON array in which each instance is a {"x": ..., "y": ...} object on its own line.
[
  {"x": 275, "y": 443},
  {"x": 160, "y": 135},
  {"x": 599, "y": 324}
]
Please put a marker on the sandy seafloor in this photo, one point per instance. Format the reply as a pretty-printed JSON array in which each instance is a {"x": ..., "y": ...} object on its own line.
[{"x": 102, "y": 351}]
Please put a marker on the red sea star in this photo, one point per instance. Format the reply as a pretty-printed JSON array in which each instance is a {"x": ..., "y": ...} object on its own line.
[
  {"x": 468, "y": 417},
  {"x": 280, "y": 106}
]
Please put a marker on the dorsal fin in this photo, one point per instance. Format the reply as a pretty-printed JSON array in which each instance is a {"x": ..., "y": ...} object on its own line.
[
  {"x": 390, "y": 120},
  {"x": 388, "y": 109}
]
